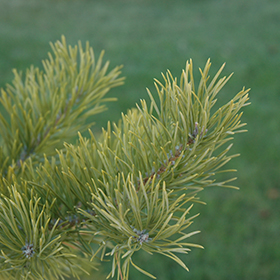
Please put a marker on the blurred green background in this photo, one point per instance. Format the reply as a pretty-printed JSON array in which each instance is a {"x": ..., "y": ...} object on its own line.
[{"x": 239, "y": 229}]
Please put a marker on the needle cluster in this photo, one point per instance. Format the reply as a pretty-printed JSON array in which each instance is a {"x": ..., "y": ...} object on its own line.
[{"x": 132, "y": 188}]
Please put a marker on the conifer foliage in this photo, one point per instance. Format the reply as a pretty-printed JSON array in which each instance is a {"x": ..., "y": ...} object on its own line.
[{"x": 132, "y": 188}]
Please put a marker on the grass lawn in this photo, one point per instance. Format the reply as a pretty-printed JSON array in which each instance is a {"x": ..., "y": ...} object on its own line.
[{"x": 239, "y": 229}]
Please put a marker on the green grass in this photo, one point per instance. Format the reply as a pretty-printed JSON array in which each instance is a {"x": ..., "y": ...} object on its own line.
[{"x": 240, "y": 229}]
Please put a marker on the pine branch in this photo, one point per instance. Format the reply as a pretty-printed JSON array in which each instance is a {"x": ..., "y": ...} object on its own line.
[
  {"x": 46, "y": 108},
  {"x": 131, "y": 189}
]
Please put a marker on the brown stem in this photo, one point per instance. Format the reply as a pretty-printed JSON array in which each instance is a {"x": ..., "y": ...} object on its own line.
[{"x": 119, "y": 267}]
